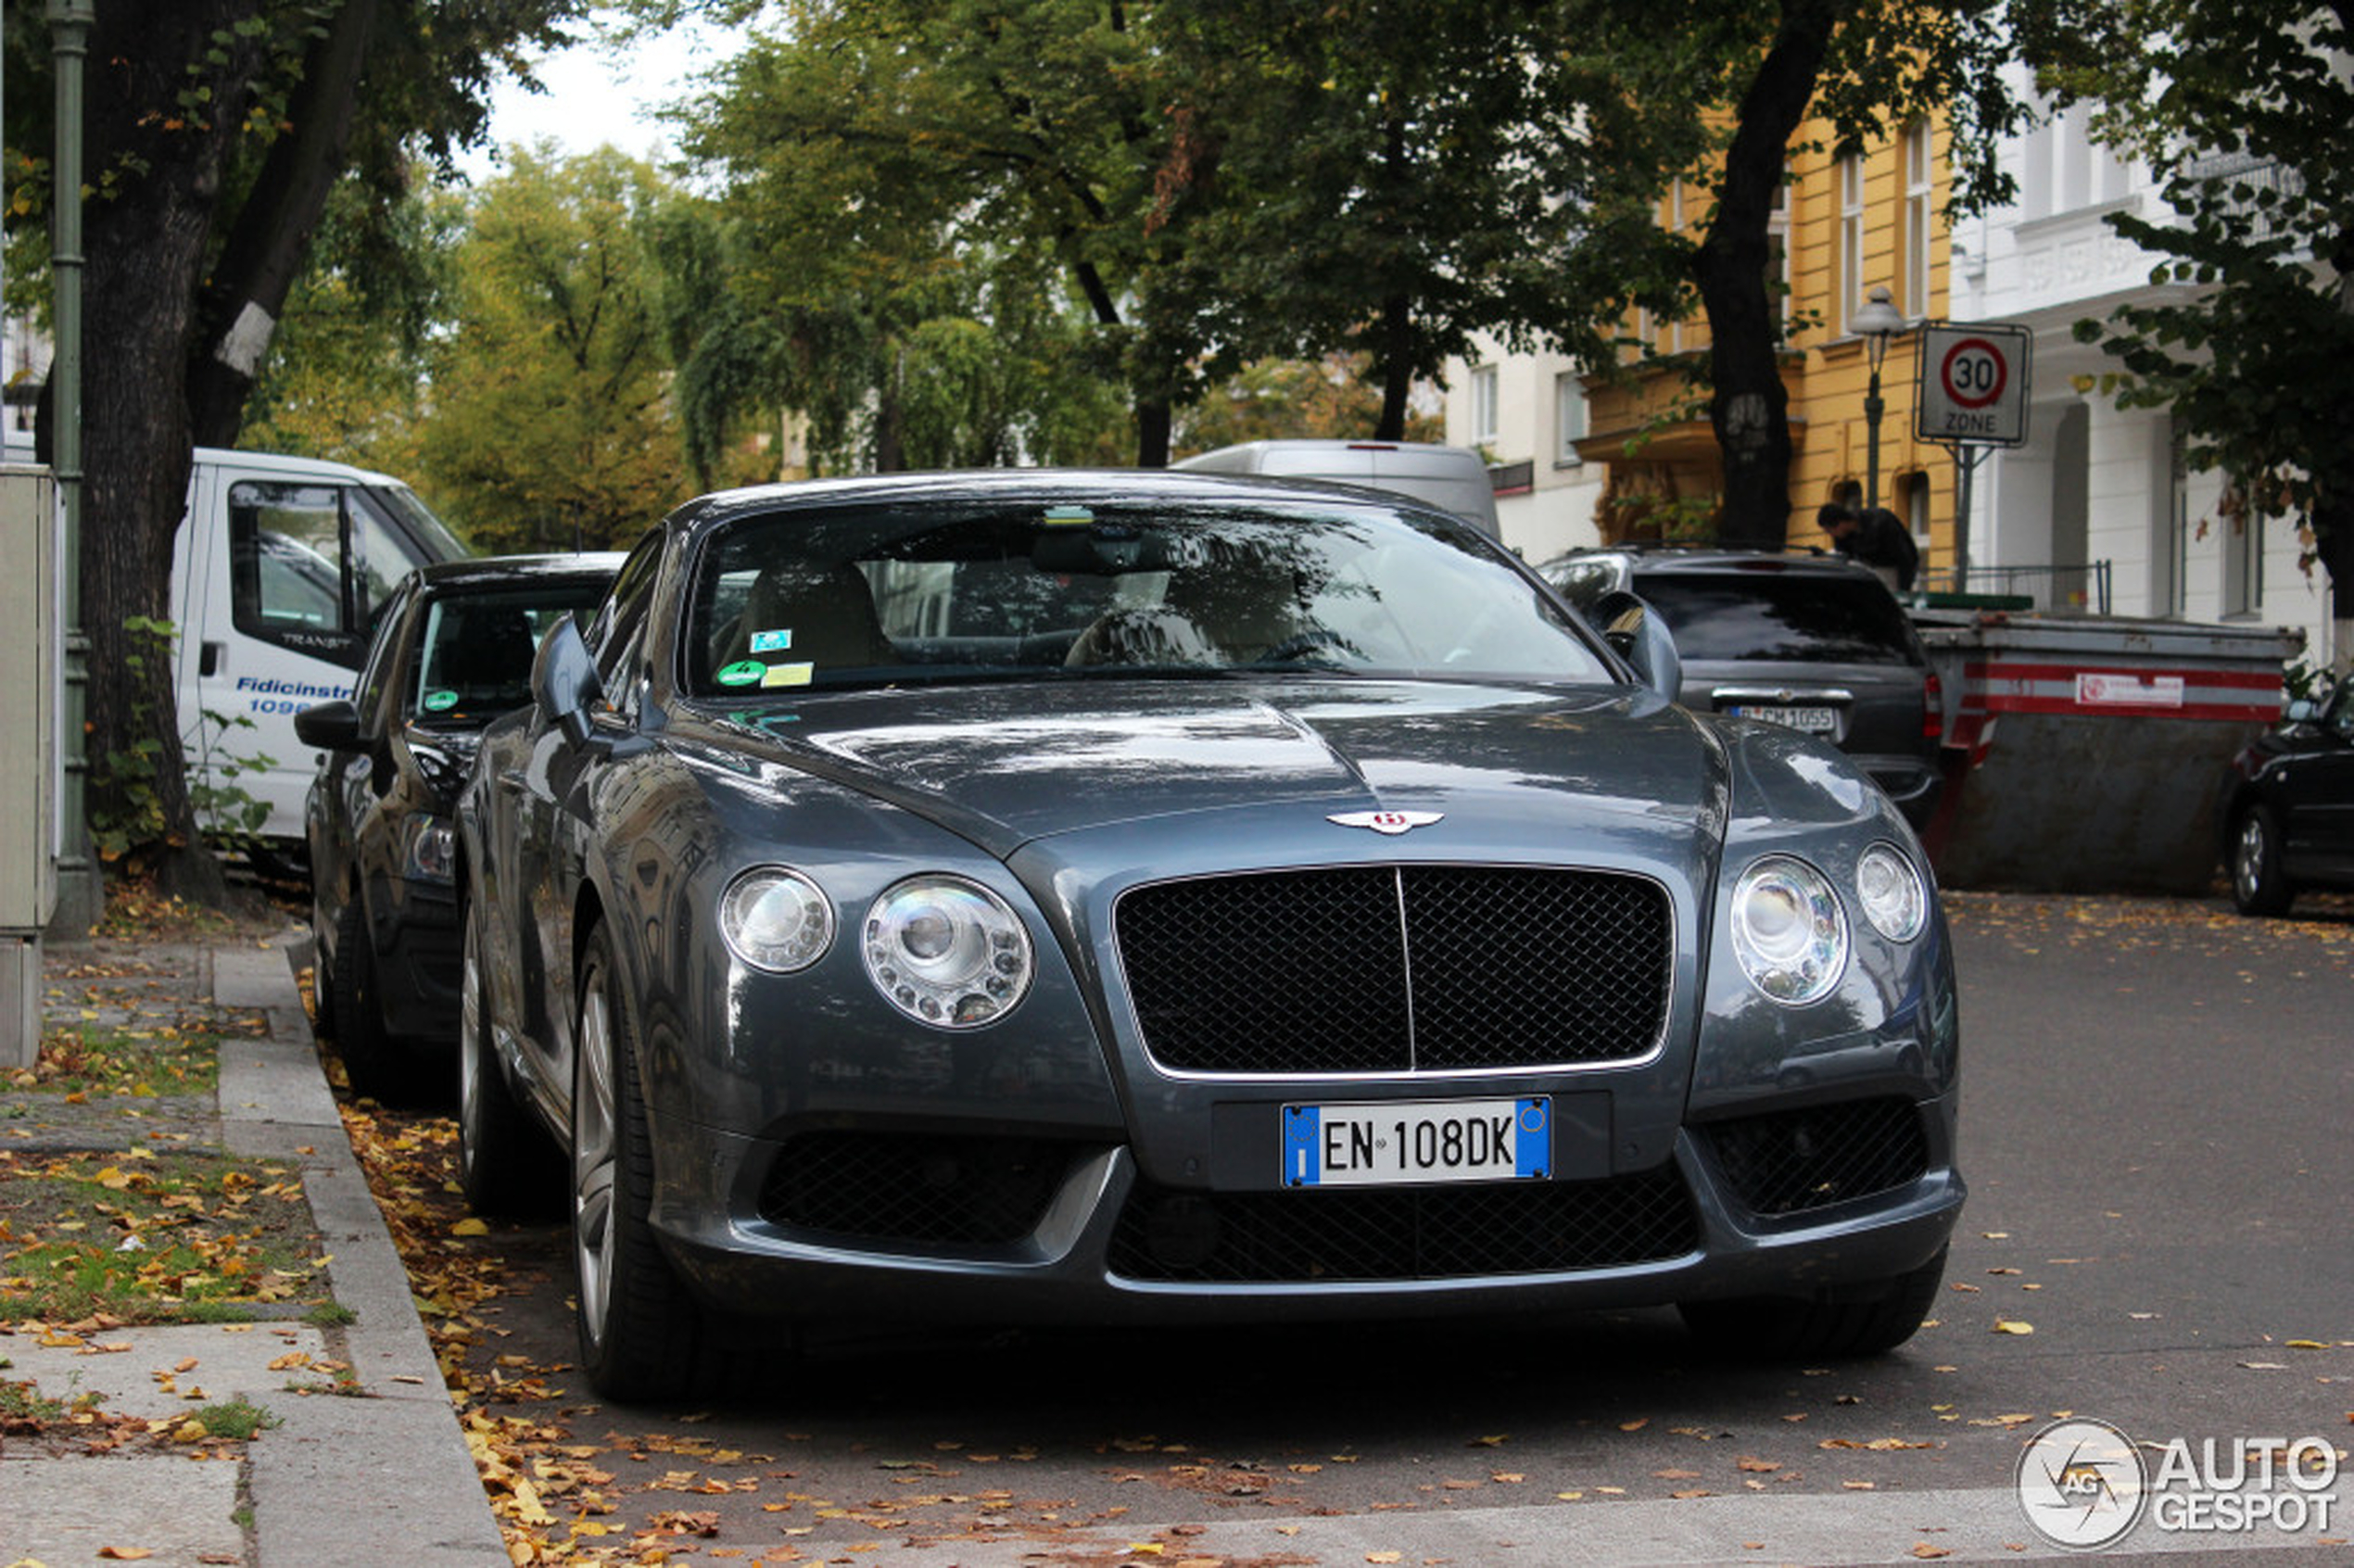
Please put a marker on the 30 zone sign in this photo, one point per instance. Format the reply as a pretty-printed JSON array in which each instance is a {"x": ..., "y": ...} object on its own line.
[{"x": 1973, "y": 384}]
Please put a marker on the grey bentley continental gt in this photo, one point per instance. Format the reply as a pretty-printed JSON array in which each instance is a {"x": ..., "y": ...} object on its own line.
[{"x": 1036, "y": 897}]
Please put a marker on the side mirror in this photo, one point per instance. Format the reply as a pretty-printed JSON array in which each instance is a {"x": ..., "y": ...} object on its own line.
[
  {"x": 2301, "y": 710},
  {"x": 1637, "y": 634},
  {"x": 563, "y": 680},
  {"x": 329, "y": 726}
]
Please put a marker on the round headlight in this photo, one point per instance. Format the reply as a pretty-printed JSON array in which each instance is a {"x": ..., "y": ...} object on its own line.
[
  {"x": 1788, "y": 930},
  {"x": 947, "y": 951},
  {"x": 1890, "y": 891},
  {"x": 775, "y": 919}
]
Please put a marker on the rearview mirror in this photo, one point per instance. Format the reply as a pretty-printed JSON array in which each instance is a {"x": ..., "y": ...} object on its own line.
[
  {"x": 563, "y": 680},
  {"x": 1637, "y": 634}
]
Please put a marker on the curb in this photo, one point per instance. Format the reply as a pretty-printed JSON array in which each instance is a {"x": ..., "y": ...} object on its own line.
[{"x": 386, "y": 1479}]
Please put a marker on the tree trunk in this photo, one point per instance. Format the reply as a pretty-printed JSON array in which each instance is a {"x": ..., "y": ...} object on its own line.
[
  {"x": 1153, "y": 421},
  {"x": 248, "y": 287},
  {"x": 145, "y": 249},
  {"x": 1749, "y": 407},
  {"x": 1396, "y": 367},
  {"x": 2334, "y": 545}
]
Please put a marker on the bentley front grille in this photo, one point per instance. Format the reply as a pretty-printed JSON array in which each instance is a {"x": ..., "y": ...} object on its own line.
[{"x": 1397, "y": 969}]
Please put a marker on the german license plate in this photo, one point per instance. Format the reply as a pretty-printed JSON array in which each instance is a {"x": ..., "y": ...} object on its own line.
[
  {"x": 1815, "y": 721},
  {"x": 1417, "y": 1141}
]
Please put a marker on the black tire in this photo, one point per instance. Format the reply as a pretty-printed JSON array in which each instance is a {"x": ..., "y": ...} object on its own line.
[
  {"x": 642, "y": 1337},
  {"x": 2259, "y": 885},
  {"x": 1780, "y": 1328},
  {"x": 323, "y": 989},
  {"x": 368, "y": 1053},
  {"x": 505, "y": 1165}
]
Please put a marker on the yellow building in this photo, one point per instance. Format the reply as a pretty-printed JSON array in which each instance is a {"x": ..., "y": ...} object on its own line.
[{"x": 1846, "y": 224}]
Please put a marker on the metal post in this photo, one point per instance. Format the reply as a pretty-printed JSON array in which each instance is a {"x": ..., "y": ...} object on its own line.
[
  {"x": 79, "y": 898},
  {"x": 1873, "y": 408}
]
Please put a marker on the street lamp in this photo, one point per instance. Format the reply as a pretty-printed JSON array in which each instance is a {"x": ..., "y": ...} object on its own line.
[{"x": 1876, "y": 322}]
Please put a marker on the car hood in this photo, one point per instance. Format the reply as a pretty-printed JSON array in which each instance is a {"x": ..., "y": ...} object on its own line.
[{"x": 1004, "y": 765}]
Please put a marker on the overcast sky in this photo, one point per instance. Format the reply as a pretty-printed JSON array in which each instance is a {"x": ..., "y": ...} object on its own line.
[{"x": 596, "y": 95}]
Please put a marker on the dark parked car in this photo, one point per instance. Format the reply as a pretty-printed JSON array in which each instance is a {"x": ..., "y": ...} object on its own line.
[
  {"x": 1169, "y": 897},
  {"x": 2288, "y": 805},
  {"x": 1813, "y": 642},
  {"x": 452, "y": 651}
]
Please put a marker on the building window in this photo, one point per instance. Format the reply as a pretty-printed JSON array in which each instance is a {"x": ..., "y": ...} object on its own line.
[
  {"x": 2242, "y": 565},
  {"x": 1569, "y": 418},
  {"x": 1917, "y": 507},
  {"x": 1851, "y": 238},
  {"x": 1777, "y": 260},
  {"x": 1483, "y": 406},
  {"x": 1917, "y": 217}
]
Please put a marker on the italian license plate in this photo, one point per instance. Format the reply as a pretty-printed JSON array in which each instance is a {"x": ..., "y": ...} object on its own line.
[
  {"x": 1815, "y": 721},
  {"x": 1417, "y": 1141}
]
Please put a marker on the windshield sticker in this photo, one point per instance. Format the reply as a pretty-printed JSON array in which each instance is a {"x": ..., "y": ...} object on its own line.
[
  {"x": 788, "y": 674},
  {"x": 1069, "y": 517},
  {"x": 743, "y": 672},
  {"x": 440, "y": 702},
  {"x": 771, "y": 641}
]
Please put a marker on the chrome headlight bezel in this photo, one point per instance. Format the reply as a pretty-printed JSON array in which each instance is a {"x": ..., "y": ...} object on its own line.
[
  {"x": 777, "y": 919},
  {"x": 980, "y": 964},
  {"x": 429, "y": 850},
  {"x": 1789, "y": 930},
  {"x": 1892, "y": 892}
]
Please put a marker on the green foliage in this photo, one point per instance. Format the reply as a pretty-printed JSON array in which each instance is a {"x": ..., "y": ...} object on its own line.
[
  {"x": 240, "y": 1419},
  {"x": 129, "y": 812},
  {"x": 553, "y": 422},
  {"x": 2254, "y": 349},
  {"x": 1285, "y": 400}
]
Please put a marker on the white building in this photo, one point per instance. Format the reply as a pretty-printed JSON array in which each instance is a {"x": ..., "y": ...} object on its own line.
[
  {"x": 1526, "y": 412},
  {"x": 2095, "y": 486}
]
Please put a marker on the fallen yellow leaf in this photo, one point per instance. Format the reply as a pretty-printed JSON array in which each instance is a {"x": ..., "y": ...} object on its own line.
[
  {"x": 470, "y": 1227},
  {"x": 2009, "y": 1325}
]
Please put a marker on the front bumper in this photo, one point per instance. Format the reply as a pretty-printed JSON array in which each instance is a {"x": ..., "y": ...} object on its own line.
[{"x": 1097, "y": 1241}]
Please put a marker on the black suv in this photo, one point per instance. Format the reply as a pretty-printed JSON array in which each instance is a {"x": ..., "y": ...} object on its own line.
[{"x": 1808, "y": 639}]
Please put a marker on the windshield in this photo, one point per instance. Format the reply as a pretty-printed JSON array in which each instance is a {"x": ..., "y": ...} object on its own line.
[
  {"x": 906, "y": 595},
  {"x": 474, "y": 661},
  {"x": 1801, "y": 618},
  {"x": 431, "y": 533}
]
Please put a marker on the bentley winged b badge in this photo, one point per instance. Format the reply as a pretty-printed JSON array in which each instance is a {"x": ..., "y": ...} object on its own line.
[{"x": 1390, "y": 822}]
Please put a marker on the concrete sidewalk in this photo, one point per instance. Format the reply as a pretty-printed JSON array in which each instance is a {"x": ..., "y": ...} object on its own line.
[{"x": 384, "y": 1477}]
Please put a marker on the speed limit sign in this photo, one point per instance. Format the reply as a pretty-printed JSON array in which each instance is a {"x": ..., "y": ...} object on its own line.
[{"x": 1973, "y": 384}]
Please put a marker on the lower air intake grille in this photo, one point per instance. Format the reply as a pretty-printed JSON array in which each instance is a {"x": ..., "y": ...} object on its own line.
[
  {"x": 916, "y": 1187},
  {"x": 1792, "y": 1161},
  {"x": 1403, "y": 1234}
]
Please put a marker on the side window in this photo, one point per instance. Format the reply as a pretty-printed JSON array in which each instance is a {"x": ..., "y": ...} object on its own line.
[
  {"x": 619, "y": 621},
  {"x": 308, "y": 568}
]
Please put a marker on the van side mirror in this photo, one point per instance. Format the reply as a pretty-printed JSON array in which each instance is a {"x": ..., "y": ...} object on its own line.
[
  {"x": 2300, "y": 710},
  {"x": 563, "y": 680},
  {"x": 329, "y": 726},
  {"x": 1637, "y": 634}
]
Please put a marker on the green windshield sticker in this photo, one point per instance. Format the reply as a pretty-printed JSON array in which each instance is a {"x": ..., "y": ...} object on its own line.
[
  {"x": 743, "y": 672},
  {"x": 1069, "y": 517},
  {"x": 436, "y": 702}
]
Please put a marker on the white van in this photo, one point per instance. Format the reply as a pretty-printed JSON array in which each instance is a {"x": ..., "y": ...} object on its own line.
[
  {"x": 1452, "y": 478},
  {"x": 277, "y": 571}
]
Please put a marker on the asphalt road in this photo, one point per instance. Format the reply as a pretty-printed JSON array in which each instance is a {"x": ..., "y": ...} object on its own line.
[{"x": 2159, "y": 1139}]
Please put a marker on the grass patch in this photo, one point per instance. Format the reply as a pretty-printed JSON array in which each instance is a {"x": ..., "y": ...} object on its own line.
[
  {"x": 21, "y": 1402},
  {"x": 240, "y": 1419},
  {"x": 330, "y": 1314},
  {"x": 130, "y": 1063},
  {"x": 144, "y": 1238}
]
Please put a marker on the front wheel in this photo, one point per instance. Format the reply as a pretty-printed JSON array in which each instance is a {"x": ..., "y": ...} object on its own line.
[
  {"x": 641, "y": 1336},
  {"x": 1794, "y": 1328},
  {"x": 2259, "y": 886}
]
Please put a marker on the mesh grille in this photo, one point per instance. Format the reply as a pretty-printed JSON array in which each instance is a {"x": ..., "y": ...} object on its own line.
[
  {"x": 1403, "y": 1234},
  {"x": 1795, "y": 1160},
  {"x": 1397, "y": 968},
  {"x": 913, "y": 1187}
]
